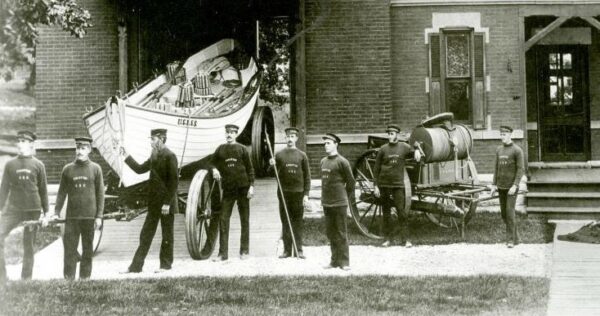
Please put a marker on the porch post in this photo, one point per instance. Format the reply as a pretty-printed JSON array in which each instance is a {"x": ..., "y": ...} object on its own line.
[
  {"x": 523, "y": 78},
  {"x": 298, "y": 100}
]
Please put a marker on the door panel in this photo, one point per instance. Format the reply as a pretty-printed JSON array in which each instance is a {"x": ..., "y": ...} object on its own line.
[{"x": 563, "y": 102}]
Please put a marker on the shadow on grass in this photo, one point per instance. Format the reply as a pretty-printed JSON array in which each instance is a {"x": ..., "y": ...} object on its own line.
[{"x": 484, "y": 228}]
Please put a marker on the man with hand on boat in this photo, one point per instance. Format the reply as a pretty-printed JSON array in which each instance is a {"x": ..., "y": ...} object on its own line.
[
  {"x": 294, "y": 177},
  {"x": 81, "y": 182},
  {"x": 337, "y": 192},
  {"x": 23, "y": 194},
  {"x": 507, "y": 176},
  {"x": 388, "y": 175},
  {"x": 162, "y": 200},
  {"x": 232, "y": 166}
]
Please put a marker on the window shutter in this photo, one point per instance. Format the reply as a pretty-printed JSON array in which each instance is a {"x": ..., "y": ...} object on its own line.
[
  {"x": 435, "y": 76},
  {"x": 479, "y": 110}
]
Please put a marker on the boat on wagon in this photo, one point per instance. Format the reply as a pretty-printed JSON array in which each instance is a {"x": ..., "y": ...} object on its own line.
[{"x": 193, "y": 100}]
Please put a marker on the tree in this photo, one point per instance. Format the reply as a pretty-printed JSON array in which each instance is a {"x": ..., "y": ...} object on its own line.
[
  {"x": 275, "y": 59},
  {"x": 20, "y": 19}
]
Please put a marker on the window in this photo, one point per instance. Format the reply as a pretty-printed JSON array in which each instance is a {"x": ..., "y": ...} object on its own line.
[{"x": 457, "y": 75}]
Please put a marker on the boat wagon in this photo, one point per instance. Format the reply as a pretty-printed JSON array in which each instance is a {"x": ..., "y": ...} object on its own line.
[
  {"x": 444, "y": 185},
  {"x": 193, "y": 100}
]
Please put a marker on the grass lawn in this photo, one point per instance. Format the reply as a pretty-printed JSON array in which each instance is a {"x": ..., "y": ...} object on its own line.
[
  {"x": 497, "y": 295},
  {"x": 484, "y": 228}
]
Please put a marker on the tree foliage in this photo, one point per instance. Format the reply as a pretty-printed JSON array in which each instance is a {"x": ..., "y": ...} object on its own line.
[
  {"x": 275, "y": 59},
  {"x": 20, "y": 20}
]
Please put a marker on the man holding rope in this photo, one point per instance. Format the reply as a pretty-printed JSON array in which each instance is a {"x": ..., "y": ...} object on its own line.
[
  {"x": 162, "y": 200},
  {"x": 294, "y": 176},
  {"x": 24, "y": 187}
]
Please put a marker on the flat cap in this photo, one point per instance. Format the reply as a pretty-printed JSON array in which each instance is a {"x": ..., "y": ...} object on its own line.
[
  {"x": 83, "y": 140},
  {"x": 232, "y": 127},
  {"x": 292, "y": 130},
  {"x": 25, "y": 134},
  {"x": 393, "y": 128},
  {"x": 506, "y": 128},
  {"x": 158, "y": 132},
  {"x": 332, "y": 137}
]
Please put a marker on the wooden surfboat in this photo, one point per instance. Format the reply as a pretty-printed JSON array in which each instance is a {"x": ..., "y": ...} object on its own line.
[{"x": 193, "y": 102}]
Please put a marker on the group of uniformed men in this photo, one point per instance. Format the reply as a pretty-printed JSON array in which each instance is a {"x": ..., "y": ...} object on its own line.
[{"x": 23, "y": 194}]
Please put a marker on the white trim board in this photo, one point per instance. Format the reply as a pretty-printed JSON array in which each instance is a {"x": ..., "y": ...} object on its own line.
[{"x": 420, "y": 3}]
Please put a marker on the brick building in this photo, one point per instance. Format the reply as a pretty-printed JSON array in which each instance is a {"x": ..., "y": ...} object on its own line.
[{"x": 533, "y": 65}]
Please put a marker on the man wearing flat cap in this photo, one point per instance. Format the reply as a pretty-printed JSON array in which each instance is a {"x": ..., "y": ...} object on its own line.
[
  {"x": 388, "y": 175},
  {"x": 507, "y": 176},
  {"x": 232, "y": 166},
  {"x": 337, "y": 192},
  {"x": 82, "y": 186},
  {"x": 294, "y": 176},
  {"x": 23, "y": 194},
  {"x": 162, "y": 200}
]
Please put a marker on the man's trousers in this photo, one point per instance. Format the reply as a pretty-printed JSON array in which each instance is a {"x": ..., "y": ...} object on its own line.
[
  {"x": 74, "y": 229},
  {"x": 147, "y": 235},
  {"x": 230, "y": 197},
  {"x": 394, "y": 197},
  {"x": 335, "y": 220},
  {"x": 507, "y": 209},
  {"x": 8, "y": 222},
  {"x": 295, "y": 208}
]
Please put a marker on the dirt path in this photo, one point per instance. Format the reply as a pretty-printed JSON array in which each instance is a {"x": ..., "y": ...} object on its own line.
[{"x": 448, "y": 260}]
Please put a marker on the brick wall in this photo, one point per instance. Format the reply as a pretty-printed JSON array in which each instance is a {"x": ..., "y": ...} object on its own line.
[
  {"x": 348, "y": 67},
  {"x": 316, "y": 152},
  {"x": 55, "y": 160},
  {"x": 73, "y": 74},
  {"x": 410, "y": 62}
]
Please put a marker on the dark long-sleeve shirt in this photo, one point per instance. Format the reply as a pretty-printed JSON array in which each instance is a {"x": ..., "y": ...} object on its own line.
[
  {"x": 337, "y": 181},
  {"x": 388, "y": 171},
  {"x": 164, "y": 178},
  {"x": 24, "y": 185},
  {"x": 82, "y": 185},
  {"x": 293, "y": 170},
  {"x": 233, "y": 162},
  {"x": 509, "y": 166}
]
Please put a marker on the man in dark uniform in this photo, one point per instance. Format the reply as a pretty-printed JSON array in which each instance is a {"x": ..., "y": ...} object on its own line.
[
  {"x": 389, "y": 183},
  {"x": 162, "y": 200},
  {"x": 336, "y": 188},
  {"x": 507, "y": 176},
  {"x": 294, "y": 175},
  {"x": 24, "y": 187},
  {"x": 232, "y": 166},
  {"x": 82, "y": 184}
]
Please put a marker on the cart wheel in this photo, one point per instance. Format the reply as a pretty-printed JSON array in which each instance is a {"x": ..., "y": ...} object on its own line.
[
  {"x": 367, "y": 212},
  {"x": 97, "y": 234},
  {"x": 262, "y": 123},
  {"x": 201, "y": 215}
]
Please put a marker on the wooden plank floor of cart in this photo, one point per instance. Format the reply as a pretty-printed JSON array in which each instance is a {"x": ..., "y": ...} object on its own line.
[
  {"x": 120, "y": 239},
  {"x": 575, "y": 283}
]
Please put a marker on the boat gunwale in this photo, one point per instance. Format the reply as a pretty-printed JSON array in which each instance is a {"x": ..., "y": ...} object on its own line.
[{"x": 257, "y": 73}]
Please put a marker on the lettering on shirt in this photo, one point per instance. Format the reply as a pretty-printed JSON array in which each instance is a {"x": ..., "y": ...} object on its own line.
[
  {"x": 393, "y": 159},
  {"x": 80, "y": 181},
  {"x": 504, "y": 160},
  {"x": 291, "y": 168},
  {"x": 23, "y": 174},
  {"x": 231, "y": 162},
  {"x": 325, "y": 173}
]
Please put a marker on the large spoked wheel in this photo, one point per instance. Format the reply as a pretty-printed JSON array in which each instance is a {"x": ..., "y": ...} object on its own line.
[
  {"x": 97, "y": 233},
  {"x": 367, "y": 212},
  {"x": 262, "y": 125},
  {"x": 201, "y": 215},
  {"x": 468, "y": 207}
]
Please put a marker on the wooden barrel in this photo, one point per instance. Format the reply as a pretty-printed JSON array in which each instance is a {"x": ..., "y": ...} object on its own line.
[{"x": 439, "y": 144}]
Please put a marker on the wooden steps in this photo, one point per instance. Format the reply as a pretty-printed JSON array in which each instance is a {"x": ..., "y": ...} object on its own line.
[{"x": 564, "y": 190}]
